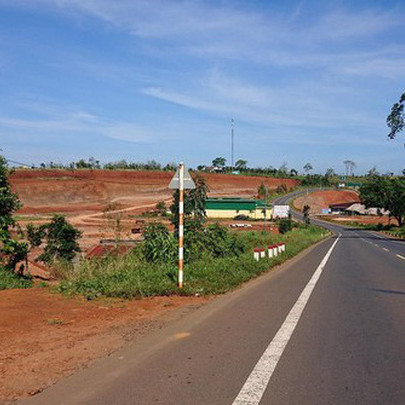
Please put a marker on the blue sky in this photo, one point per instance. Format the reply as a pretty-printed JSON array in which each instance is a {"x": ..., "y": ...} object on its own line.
[{"x": 160, "y": 79}]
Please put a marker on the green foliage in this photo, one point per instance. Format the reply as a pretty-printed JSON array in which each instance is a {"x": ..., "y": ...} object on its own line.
[
  {"x": 161, "y": 208},
  {"x": 194, "y": 203},
  {"x": 308, "y": 167},
  {"x": 241, "y": 164},
  {"x": 61, "y": 241},
  {"x": 10, "y": 279},
  {"x": 305, "y": 210},
  {"x": 12, "y": 251},
  {"x": 133, "y": 275},
  {"x": 385, "y": 193},
  {"x": 219, "y": 162},
  {"x": 262, "y": 191},
  {"x": 396, "y": 118},
  {"x": 160, "y": 245},
  {"x": 285, "y": 225}
]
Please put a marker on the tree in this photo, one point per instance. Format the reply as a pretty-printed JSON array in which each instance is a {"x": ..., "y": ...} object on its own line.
[
  {"x": 219, "y": 162},
  {"x": 308, "y": 167},
  {"x": 329, "y": 172},
  {"x": 293, "y": 172},
  {"x": 241, "y": 164},
  {"x": 194, "y": 202},
  {"x": 305, "y": 210},
  {"x": 396, "y": 119},
  {"x": 283, "y": 169},
  {"x": 373, "y": 172},
  {"x": 12, "y": 251},
  {"x": 385, "y": 193},
  {"x": 350, "y": 166},
  {"x": 61, "y": 241},
  {"x": 263, "y": 191}
]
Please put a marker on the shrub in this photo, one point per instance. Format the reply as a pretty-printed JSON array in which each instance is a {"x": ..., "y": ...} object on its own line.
[
  {"x": 160, "y": 245},
  {"x": 285, "y": 225}
]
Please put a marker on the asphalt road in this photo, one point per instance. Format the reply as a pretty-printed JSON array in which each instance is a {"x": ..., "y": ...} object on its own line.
[{"x": 327, "y": 328}]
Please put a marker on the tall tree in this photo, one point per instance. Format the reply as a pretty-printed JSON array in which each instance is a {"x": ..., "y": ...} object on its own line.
[
  {"x": 396, "y": 118},
  {"x": 219, "y": 162},
  {"x": 385, "y": 193},
  {"x": 241, "y": 164},
  {"x": 308, "y": 167},
  {"x": 350, "y": 166}
]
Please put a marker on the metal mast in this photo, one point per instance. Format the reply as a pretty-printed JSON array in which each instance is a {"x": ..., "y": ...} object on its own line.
[{"x": 232, "y": 135}]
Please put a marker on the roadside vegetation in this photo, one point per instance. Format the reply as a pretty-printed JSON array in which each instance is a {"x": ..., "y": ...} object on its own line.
[{"x": 214, "y": 269}]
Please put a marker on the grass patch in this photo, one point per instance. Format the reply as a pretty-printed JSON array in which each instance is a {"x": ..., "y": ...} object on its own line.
[
  {"x": 10, "y": 280},
  {"x": 133, "y": 276}
]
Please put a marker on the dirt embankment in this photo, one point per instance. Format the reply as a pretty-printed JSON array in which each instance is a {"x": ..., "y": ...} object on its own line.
[
  {"x": 44, "y": 191},
  {"x": 322, "y": 199}
]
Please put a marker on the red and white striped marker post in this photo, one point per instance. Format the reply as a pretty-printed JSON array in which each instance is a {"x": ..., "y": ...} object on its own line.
[
  {"x": 270, "y": 251},
  {"x": 256, "y": 254},
  {"x": 275, "y": 251},
  {"x": 181, "y": 223},
  {"x": 262, "y": 253}
]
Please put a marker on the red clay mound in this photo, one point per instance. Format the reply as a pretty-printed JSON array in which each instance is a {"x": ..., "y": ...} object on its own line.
[
  {"x": 322, "y": 199},
  {"x": 44, "y": 191}
]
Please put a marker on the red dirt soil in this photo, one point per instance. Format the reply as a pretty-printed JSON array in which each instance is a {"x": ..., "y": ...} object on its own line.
[
  {"x": 322, "y": 199},
  {"x": 45, "y": 336},
  {"x": 84, "y": 194},
  {"x": 44, "y": 191}
]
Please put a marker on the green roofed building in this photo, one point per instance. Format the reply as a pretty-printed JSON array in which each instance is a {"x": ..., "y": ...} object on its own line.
[{"x": 230, "y": 207}]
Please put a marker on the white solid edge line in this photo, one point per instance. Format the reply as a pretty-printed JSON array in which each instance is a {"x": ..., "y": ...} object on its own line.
[
  {"x": 254, "y": 387},
  {"x": 401, "y": 257}
]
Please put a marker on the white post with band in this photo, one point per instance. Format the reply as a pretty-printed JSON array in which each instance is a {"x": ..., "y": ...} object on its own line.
[
  {"x": 181, "y": 223},
  {"x": 181, "y": 181}
]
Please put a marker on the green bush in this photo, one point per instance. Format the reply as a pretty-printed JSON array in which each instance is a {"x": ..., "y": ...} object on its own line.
[
  {"x": 9, "y": 280},
  {"x": 284, "y": 225},
  {"x": 160, "y": 245}
]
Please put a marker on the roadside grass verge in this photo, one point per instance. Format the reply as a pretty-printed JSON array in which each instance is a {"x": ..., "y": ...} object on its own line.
[
  {"x": 10, "y": 280},
  {"x": 131, "y": 276}
]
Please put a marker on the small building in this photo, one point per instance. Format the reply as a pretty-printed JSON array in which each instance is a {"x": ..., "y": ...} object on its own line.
[{"x": 230, "y": 207}]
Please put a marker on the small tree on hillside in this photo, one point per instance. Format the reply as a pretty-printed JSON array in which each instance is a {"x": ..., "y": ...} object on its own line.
[
  {"x": 61, "y": 241},
  {"x": 262, "y": 191}
]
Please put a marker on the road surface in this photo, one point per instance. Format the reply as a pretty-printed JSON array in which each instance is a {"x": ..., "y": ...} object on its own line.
[{"x": 327, "y": 328}]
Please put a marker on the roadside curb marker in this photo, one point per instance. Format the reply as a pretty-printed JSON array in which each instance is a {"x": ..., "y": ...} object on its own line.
[
  {"x": 254, "y": 387},
  {"x": 400, "y": 257},
  {"x": 272, "y": 251}
]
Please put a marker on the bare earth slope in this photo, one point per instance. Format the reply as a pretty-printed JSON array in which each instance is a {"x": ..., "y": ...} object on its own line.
[
  {"x": 322, "y": 199},
  {"x": 44, "y": 191}
]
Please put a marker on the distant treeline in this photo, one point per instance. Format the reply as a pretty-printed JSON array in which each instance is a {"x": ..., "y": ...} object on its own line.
[
  {"x": 329, "y": 179},
  {"x": 95, "y": 164}
]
